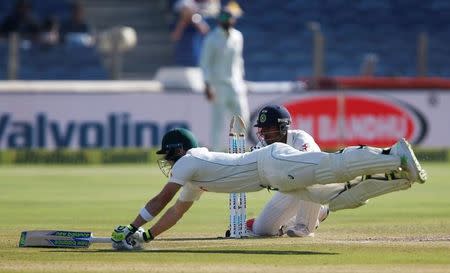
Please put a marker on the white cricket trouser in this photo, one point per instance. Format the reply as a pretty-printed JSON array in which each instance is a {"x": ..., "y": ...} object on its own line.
[
  {"x": 275, "y": 213},
  {"x": 287, "y": 169},
  {"x": 228, "y": 101}
]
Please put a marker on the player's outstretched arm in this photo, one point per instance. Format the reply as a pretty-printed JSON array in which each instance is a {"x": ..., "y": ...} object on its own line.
[
  {"x": 170, "y": 217},
  {"x": 124, "y": 237},
  {"x": 157, "y": 203}
]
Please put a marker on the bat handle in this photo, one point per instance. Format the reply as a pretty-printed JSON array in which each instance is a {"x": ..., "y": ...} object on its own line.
[{"x": 101, "y": 240}]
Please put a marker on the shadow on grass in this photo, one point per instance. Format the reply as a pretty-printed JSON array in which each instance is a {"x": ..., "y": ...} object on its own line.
[
  {"x": 241, "y": 251},
  {"x": 209, "y": 239},
  {"x": 204, "y": 251}
]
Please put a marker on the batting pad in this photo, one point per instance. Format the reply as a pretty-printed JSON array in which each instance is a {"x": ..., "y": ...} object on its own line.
[
  {"x": 352, "y": 162},
  {"x": 308, "y": 214},
  {"x": 357, "y": 195},
  {"x": 276, "y": 212}
]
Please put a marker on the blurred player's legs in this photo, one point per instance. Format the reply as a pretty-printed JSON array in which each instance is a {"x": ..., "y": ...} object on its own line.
[
  {"x": 228, "y": 102},
  {"x": 218, "y": 119}
]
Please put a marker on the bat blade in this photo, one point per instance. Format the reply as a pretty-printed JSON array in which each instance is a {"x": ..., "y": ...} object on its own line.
[{"x": 59, "y": 238}]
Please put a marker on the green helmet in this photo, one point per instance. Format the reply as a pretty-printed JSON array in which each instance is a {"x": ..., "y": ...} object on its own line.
[{"x": 177, "y": 138}]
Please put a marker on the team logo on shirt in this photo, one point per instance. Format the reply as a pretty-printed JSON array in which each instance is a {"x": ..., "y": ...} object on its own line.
[
  {"x": 305, "y": 147},
  {"x": 262, "y": 118}
]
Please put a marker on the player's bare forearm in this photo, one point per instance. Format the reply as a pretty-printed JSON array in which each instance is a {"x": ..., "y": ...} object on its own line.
[
  {"x": 155, "y": 205},
  {"x": 171, "y": 217},
  {"x": 183, "y": 22}
]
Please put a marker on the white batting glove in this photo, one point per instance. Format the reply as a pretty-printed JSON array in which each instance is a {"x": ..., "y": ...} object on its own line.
[
  {"x": 142, "y": 236},
  {"x": 122, "y": 237}
]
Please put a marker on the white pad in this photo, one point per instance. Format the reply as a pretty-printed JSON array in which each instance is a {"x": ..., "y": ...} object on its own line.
[
  {"x": 276, "y": 212},
  {"x": 358, "y": 194},
  {"x": 352, "y": 162},
  {"x": 308, "y": 214}
]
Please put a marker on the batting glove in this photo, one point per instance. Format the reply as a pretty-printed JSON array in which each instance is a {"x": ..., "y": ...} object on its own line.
[
  {"x": 122, "y": 237},
  {"x": 143, "y": 236}
]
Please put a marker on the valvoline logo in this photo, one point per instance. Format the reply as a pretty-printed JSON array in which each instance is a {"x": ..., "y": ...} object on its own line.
[{"x": 357, "y": 119}]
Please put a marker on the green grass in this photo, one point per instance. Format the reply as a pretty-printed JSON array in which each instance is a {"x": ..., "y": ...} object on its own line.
[{"x": 406, "y": 231}]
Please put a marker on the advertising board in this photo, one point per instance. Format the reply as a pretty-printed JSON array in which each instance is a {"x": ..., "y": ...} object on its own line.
[{"x": 139, "y": 119}]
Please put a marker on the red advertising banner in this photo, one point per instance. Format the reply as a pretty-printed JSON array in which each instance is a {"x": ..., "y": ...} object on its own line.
[{"x": 356, "y": 119}]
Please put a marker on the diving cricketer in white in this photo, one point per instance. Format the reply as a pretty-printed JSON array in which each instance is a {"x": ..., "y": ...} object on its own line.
[{"x": 277, "y": 166}]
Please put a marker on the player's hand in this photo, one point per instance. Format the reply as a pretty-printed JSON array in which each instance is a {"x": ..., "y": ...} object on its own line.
[
  {"x": 142, "y": 236},
  {"x": 122, "y": 237}
]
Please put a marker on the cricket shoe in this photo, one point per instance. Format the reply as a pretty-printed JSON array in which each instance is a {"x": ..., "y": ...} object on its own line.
[
  {"x": 299, "y": 230},
  {"x": 249, "y": 224},
  {"x": 409, "y": 161},
  {"x": 249, "y": 229},
  {"x": 302, "y": 230},
  {"x": 323, "y": 214}
]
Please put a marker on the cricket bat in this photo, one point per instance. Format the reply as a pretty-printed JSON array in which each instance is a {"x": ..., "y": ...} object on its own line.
[{"x": 60, "y": 238}]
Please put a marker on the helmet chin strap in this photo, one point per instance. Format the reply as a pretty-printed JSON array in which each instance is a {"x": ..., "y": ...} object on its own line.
[
  {"x": 279, "y": 139},
  {"x": 174, "y": 154}
]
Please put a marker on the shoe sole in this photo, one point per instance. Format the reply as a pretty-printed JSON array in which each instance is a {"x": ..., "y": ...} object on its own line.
[
  {"x": 421, "y": 173},
  {"x": 292, "y": 233}
]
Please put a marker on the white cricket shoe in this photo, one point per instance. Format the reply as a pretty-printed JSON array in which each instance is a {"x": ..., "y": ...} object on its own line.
[
  {"x": 409, "y": 161},
  {"x": 299, "y": 230},
  {"x": 323, "y": 214},
  {"x": 293, "y": 229}
]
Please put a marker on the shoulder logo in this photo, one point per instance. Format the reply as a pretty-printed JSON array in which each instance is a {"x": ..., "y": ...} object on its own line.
[
  {"x": 305, "y": 147},
  {"x": 262, "y": 118}
]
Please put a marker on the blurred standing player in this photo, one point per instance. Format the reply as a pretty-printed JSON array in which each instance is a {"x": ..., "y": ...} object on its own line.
[
  {"x": 222, "y": 65},
  {"x": 299, "y": 217}
]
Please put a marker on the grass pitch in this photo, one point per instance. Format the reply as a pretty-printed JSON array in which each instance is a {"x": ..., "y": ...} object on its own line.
[{"x": 406, "y": 231}]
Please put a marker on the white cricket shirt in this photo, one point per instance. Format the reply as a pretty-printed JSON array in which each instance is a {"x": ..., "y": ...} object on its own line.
[
  {"x": 221, "y": 58},
  {"x": 217, "y": 172}
]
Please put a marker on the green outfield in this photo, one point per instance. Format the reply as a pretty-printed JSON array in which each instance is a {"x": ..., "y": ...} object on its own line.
[{"x": 407, "y": 231}]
